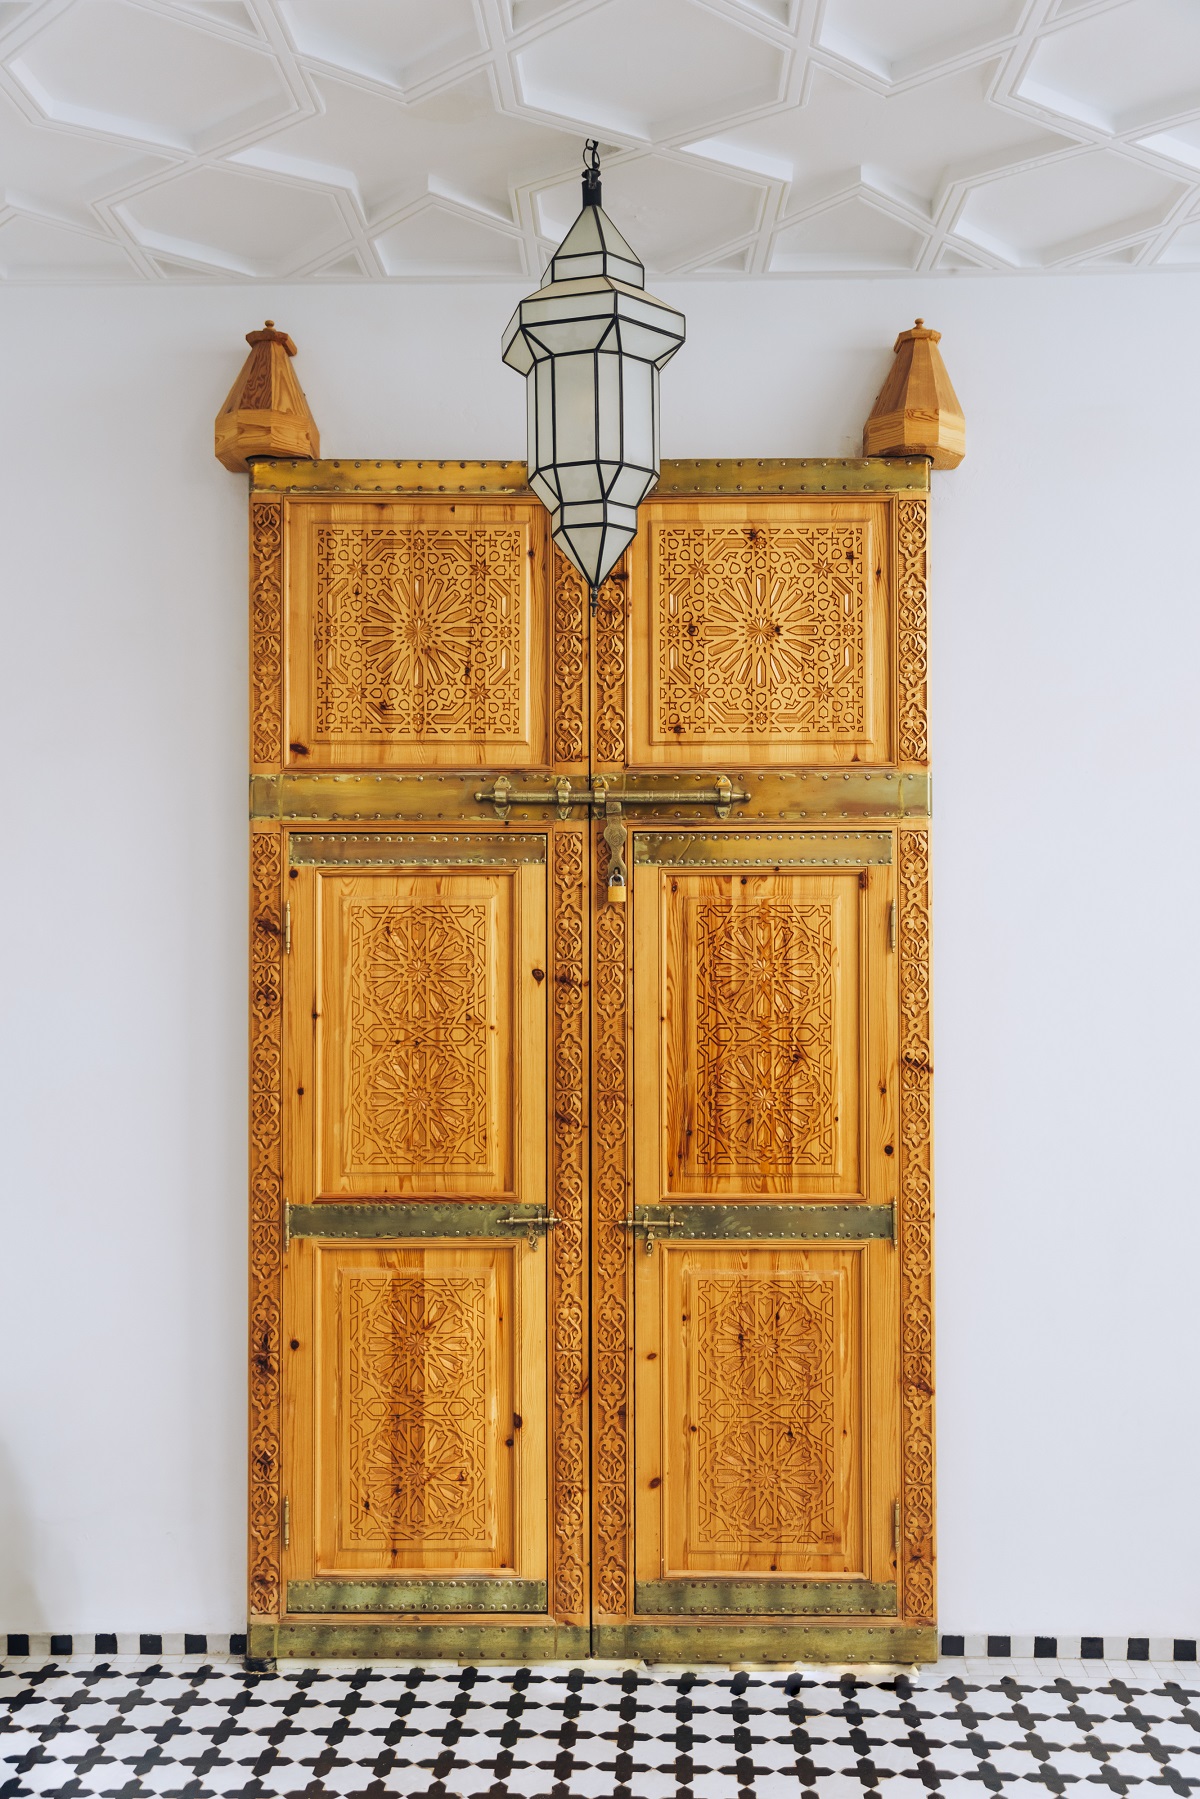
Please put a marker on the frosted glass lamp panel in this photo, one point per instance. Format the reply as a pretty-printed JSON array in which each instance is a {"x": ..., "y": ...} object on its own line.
[
  {"x": 571, "y": 336},
  {"x": 574, "y": 409},
  {"x": 648, "y": 343},
  {"x": 514, "y": 347},
  {"x": 541, "y": 439},
  {"x": 594, "y": 245},
  {"x": 638, "y": 412},
  {"x": 543, "y": 477},
  {"x": 608, "y": 266},
  {"x": 583, "y": 545},
  {"x": 580, "y": 483},
  {"x": 631, "y": 486},
  {"x": 611, "y": 408}
]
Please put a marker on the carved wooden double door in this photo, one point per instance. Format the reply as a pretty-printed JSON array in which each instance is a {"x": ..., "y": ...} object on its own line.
[{"x": 590, "y": 1187}]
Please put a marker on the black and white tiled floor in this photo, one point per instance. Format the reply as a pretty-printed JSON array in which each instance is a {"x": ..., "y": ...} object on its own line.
[{"x": 204, "y": 1728}]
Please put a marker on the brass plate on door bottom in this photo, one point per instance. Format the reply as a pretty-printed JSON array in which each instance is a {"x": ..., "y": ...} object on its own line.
[
  {"x": 465, "y": 1595},
  {"x": 823, "y": 1598},
  {"x": 777, "y": 1641},
  {"x": 352, "y": 1640}
]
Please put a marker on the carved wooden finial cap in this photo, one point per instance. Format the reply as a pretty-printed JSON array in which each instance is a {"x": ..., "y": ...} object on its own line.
[
  {"x": 265, "y": 413},
  {"x": 917, "y": 412},
  {"x": 919, "y": 333},
  {"x": 269, "y": 335}
]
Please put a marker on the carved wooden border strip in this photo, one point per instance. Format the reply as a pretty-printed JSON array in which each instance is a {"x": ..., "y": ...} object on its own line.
[
  {"x": 570, "y": 670},
  {"x": 266, "y": 1215},
  {"x": 610, "y": 1279},
  {"x": 266, "y": 633},
  {"x": 608, "y": 674},
  {"x": 912, "y": 623},
  {"x": 569, "y": 1169},
  {"x": 916, "y": 1234}
]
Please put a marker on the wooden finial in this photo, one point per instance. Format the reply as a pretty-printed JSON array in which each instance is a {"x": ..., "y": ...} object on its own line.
[
  {"x": 917, "y": 412},
  {"x": 266, "y": 413}
]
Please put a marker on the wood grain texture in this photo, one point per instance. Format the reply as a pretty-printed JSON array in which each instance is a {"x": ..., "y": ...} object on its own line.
[
  {"x": 266, "y": 635},
  {"x": 570, "y": 1120},
  {"x": 266, "y": 1215},
  {"x": 916, "y": 1233},
  {"x": 763, "y": 1037},
  {"x": 762, "y": 1452},
  {"x": 417, "y": 1036},
  {"x": 611, "y": 1324},
  {"x": 417, "y": 1437}
]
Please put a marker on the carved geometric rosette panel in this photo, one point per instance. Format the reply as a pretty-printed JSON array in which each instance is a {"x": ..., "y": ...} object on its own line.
[
  {"x": 760, "y": 632},
  {"x": 416, "y": 1383},
  {"x": 764, "y": 1085},
  {"x": 764, "y": 1411},
  {"x": 418, "y": 633},
  {"x": 417, "y": 1037}
]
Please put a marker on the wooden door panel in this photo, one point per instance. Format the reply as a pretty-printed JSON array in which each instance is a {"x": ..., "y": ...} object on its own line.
[
  {"x": 764, "y": 1042},
  {"x": 419, "y": 1032},
  {"x": 767, "y": 1433},
  {"x": 419, "y": 1418},
  {"x": 760, "y": 632},
  {"x": 416, "y": 634}
]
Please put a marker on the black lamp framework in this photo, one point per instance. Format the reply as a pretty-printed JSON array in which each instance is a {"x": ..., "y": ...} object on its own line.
[{"x": 590, "y": 343}]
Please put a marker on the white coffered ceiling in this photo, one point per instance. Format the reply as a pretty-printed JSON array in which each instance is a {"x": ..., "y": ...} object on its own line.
[{"x": 169, "y": 140}]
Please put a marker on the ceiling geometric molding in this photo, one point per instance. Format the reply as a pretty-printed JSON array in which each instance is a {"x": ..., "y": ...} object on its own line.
[{"x": 408, "y": 140}]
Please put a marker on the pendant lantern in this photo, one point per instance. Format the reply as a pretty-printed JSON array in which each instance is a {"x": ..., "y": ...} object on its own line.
[{"x": 590, "y": 344}]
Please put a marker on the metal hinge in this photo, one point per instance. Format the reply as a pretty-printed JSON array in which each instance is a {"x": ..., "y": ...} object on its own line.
[
  {"x": 287, "y": 1522},
  {"x": 287, "y": 928},
  {"x": 892, "y": 925},
  {"x": 896, "y": 1526}
]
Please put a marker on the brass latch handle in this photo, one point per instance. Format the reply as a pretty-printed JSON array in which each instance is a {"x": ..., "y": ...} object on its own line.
[
  {"x": 540, "y": 1221},
  {"x": 504, "y": 796},
  {"x": 652, "y": 1227}
]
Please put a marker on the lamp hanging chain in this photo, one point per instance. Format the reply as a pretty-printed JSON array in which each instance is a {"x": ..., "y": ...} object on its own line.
[{"x": 591, "y": 172}]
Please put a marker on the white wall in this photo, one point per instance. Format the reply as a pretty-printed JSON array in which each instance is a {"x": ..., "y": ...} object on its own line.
[{"x": 1065, "y": 643}]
